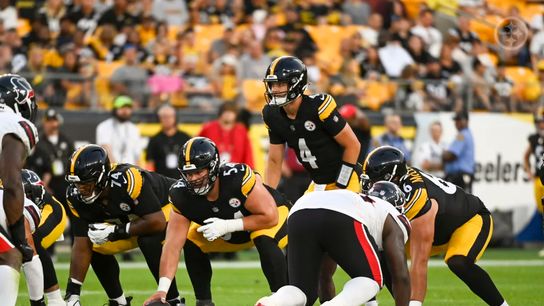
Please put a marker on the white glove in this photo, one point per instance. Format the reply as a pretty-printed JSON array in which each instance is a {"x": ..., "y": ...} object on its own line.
[
  {"x": 216, "y": 227},
  {"x": 73, "y": 300},
  {"x": 99, "y": 232}
]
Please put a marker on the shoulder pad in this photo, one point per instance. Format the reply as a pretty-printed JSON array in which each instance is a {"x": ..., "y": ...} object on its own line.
[
  {"x": 248, "y": 181},
  {"x": 134, "y": 182}
]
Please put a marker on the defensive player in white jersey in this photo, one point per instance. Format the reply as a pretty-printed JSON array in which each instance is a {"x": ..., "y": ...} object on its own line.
[
  {"x": 352, "y": 228},
  {"x": 18, "y": 135}
]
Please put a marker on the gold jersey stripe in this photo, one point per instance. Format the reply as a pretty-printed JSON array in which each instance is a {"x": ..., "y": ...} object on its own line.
[
  {"x": 135, "y": 183},
  {"x": 72, "y": 209},
  {"x": 417, "y": 204},
  {"x": 248, "y": 182},
  {"x": 326, "y": 108}
]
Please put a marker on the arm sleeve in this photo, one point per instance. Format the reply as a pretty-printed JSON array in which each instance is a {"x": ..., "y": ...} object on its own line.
[{"x": 79, "y": 226}]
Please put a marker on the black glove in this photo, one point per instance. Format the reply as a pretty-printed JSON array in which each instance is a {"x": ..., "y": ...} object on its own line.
[
  {"x": 35, "y": 193},
  {"x": 119, "y": 233},
  {"x": 344, "y": 174},
  {"x": 17, "y": 231}
]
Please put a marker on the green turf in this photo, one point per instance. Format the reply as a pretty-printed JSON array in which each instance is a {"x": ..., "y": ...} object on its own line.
[{"x": 521, "y": 285}]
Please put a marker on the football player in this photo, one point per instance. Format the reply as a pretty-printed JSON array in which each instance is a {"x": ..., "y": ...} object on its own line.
[
  {"x": 363, "y": 227},
  {"x": 115, "y": 208},
  {"x": 324, "y": 144},
  {"x": 49, "y": 229},
  {"x": 221, "y": 208},
  {"x": 445, "y": 220},
  {"x": 18, "y": 136},
  {"x": 536, "y": 148}
]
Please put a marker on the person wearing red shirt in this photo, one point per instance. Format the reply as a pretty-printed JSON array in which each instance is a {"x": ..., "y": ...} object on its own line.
[{"x": 231, "y": 137}]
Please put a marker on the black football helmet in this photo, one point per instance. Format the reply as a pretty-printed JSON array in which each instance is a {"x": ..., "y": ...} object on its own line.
[
  {"x": 17, "y": 94},
  {"x": 384, "y": 163},
  {"x": 89, "y": 169},
  {"x": 199, "y": 153},
  {"x": 285, "y": 69},
  {"x": 389, "y": 192}
]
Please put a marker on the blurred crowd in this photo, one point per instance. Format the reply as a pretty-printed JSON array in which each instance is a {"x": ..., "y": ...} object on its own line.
[{"x": 415, "y": 55}]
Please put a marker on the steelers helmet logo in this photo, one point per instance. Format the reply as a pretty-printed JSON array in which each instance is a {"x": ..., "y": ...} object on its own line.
[
  {"x": 309, "y": 125},
  {"x": 124, "y": 207},
  {"x": 234, "y": 202}
]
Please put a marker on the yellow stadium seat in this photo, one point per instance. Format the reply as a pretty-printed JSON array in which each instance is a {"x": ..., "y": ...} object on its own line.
[
  {"x": 485, "y": 28},
  {"x": 253, "y": 92},
  {"x": 376, "y": 93},
  {"x": 413, "y": 7},
  {"x": 206, "y": 34},
  {"x": 526, "y": 85},
  {"x": 102, "y": 82}
]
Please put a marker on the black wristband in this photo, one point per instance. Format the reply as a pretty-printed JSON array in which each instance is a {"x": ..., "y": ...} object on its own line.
[
  {"x": 17, "y": 232},
  {"x": 119, "y": 233},
  {"x": 72, "y": 288}
]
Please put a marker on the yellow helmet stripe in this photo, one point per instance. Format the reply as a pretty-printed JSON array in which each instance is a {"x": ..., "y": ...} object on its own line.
[
  {"x": 365, "y": 164},
  {"x": 188, "y": 151},
  {"x": 74, "y": 159},
  {"x": 274, "y": 63}
]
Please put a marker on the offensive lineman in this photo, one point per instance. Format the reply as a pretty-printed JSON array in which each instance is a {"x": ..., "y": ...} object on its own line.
[
  {"x": 444, "y": 219},
  {"x": 232, "y": 209},
  {"x": 115, "y": 208},
  {"x": 363, "y": 227},
  {"x": 324, "y": 144},
  {"x": 18, "y": 136}
]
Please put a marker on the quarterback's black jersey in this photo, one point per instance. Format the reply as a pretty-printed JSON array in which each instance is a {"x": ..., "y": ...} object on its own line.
[
  {"x": 455, "y": 206},
  {"x": 236, "y": 181},
  {"x": 311, "y": 134},
  {"x": 132, "y": 193},
  {"x": 537, "y": 148}
]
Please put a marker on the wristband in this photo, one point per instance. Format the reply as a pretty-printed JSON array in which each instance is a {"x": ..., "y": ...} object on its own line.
[
  {"x": 344, "y": 175},
  {"x": 164, "y": 284},
  {"x": 415, "y": 303},
  {"x": 235, "y": 225}
]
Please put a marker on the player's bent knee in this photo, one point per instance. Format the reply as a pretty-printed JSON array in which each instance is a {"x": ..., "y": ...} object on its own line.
[{"x": 459, "y": 264}]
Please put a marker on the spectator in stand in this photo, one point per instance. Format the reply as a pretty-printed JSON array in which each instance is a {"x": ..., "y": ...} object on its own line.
[
  {"x": 436, "y": 87},
  {"x": 401, "y": 31},
  {"x": 225, "y": 82},
  {"x": 481, "y": 86},
  {"x": 66, "y": 32},
  {"x": 219, "y": 47},
  {"x": 394, "y": 10},
  {"x": 51, "y": 13},
  {"x": 391, "y": 137},
  {"x": 430, "y": 35},
  {"x": 104, "y": 46},
  {"x": 394, "y": 57},
  {"x": 163, "y": 148},
  {"x": 464, "y": 34},
  {"x": 119, "y": 136},
  {"x": 6, "y": 56},
  {"x": 173, "y": 12},
  {"x": 130, "y": 79},
  {"x": 39, "y": 35},
  {"x": 8, "y": 14},
  {"x": 197, "y": 86},
  {"x": 374, "y": 31},
  {"x": 356, "y": 11},
  {"x": 416, "y": 48},
  {"x": 429, "y": 153},
  {"x": 85, "y": 17},
  {"x": 360, "y": 125},
  {"x": 253, "y": 62},
  {"x": 503, "y": 87},
  {"x": 118, "y": 16},
  {"x": 231, "y": 138},
  {"x": 294, "y": 29}
]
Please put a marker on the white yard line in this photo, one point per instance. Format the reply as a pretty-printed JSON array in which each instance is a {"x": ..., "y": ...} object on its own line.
[{"x": 257, "y": 264}]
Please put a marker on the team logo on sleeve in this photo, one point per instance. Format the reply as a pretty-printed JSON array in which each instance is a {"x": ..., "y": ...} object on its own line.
[
  {"x": 309, "y": 125},
  {"x": 234, "y": 202},
  {"x": 124, "y": 207}
]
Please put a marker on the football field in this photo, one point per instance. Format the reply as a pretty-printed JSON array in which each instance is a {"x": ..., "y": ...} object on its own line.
[{"x": 519, "y": 275}]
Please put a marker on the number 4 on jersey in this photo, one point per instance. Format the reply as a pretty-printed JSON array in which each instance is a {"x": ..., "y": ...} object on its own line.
[{"x": 305, "y": 153}]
